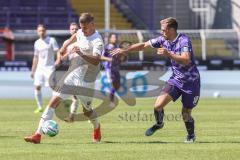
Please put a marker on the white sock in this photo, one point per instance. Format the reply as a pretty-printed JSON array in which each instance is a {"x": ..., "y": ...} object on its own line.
[
  {"x": 74, "y": 106},
  {"x": 95, "y": 123},
  {"x": 38, "y": 97},
  {"x": 47, "y": 115},
  {"x": 94, "y": 120}
]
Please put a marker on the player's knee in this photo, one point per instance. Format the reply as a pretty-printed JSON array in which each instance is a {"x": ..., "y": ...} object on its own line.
[
  {"x": 54, "y": 102},
  {"x": 116, "y": 86},
  {"x": 158, "y": 106},
  {"x": 186, "y": 115},
  {"x": 38, "y": 88},
  {"x": 86, "y": 112}
]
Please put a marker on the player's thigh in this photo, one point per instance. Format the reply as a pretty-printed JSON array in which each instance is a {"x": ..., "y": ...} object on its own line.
[
  {"x": 61, "y": 95},
  {"x": 113, "y": 78},
  {"x": 168, "y": 93},
  {"x": 38, "y": 78},
  {"x": 162, "y": 101},
  {"x": 47, "y": 74}
]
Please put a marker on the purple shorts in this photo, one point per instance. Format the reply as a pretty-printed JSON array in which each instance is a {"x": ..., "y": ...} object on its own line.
[
  {"x": 188, "y": 100},
  {"x": 113, "y": 76}
]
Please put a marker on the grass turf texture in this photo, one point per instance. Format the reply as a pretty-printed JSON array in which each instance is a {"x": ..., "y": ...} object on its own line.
[{"x": 217, "y": 129}]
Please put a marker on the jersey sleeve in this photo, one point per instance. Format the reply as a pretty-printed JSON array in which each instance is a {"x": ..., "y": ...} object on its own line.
[
  {"x": 54, "y": 44},
  {"x": 98, "y": 47},
  {"x": 156, "y": 42},
  {"x": 36, "y": 52},
  {"x": 185, "y": 45}
]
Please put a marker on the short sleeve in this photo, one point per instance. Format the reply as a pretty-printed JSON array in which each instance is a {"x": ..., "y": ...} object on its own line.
[
  {"x": 185, "y": 45},
  {"x": 98, "y": 47},
  {"x": 54, "y": 44},
  {"x": 156, "y": 42},
  {"x": 36, "y": 52}
]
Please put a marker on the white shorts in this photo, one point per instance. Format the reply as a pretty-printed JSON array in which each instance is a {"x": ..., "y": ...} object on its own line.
[
  {"x": 42, "y": 75},
  {"x": 74, "y": 79}
]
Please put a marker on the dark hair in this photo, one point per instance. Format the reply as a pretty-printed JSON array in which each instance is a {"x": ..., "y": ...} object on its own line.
[
  {"x": 171, "y": 22},
  {"x": 41, "y": 25},
  {"x": 111, "y": 34},
  {"x": 86, "y": 18},
  {"x": 73, "y": 23}
]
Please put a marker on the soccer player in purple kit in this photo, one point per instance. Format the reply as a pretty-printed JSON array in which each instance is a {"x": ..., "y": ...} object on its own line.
[
  {"x": 185, "y": 79},
  {"x": 112, "y": 68}
]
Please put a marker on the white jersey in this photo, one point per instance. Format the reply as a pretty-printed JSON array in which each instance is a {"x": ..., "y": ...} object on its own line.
[
  {"x": 45, "y": 49},
  {"x": 91, "y": 45}
]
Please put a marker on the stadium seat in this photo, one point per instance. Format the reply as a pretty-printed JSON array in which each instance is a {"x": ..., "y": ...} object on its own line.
[
  {"x": 26, "y": 14},
  {"x": 117, "y": 21}
]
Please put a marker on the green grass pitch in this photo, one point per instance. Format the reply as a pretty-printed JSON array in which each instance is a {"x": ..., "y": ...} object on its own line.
[{"x": 217, "y": 130}]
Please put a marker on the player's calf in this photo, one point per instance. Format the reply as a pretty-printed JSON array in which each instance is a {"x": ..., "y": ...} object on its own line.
[{"x": 189, "y": 124}]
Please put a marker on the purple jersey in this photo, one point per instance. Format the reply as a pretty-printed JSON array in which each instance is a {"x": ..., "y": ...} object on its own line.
[
  {"x": 112, "y": 68},
  {"x": 115, "y": 64},
  {"x": 186, "y": 78}
]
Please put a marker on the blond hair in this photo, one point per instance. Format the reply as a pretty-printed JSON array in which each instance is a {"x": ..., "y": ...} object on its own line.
[
  {"x": 171, "y": 22},
  {"x": 86, "y": 18}
]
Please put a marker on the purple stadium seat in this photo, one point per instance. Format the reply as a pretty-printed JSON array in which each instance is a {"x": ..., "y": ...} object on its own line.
[{"x": 26, "y": 14}]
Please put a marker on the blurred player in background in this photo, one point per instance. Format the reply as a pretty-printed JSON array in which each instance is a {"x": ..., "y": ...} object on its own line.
[
  {"x": 112, "y": 68},
  {"x": 185, "y": 80},
  {"x": 45, "y": 49},
  {"x": 90, "y": 47},
  {"x": 73, "y": 28}
]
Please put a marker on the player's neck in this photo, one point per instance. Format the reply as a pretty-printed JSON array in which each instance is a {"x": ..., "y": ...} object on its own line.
[
  {"x": 43, "y": 37},
  {"x": 173, "y": 37},
  {"x": 90, "y": 33}
]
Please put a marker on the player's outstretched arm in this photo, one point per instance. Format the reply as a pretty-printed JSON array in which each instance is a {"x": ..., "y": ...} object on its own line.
[
  {"x": 71, "y": 40},
  {"x": 104, "y": 58},
  {"x": 58, "y": 60},
  {"x": 134, "y": 47}
]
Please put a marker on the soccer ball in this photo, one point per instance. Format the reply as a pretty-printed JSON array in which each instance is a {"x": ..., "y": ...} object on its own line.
[{"x": 50, "y": 128}]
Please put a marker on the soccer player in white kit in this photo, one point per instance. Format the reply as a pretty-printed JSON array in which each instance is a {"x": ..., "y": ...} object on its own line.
[
  {"x": 45, "y": 49},
  {"x": 73, "y": 28},
  {"x": 90, "y": 47}
]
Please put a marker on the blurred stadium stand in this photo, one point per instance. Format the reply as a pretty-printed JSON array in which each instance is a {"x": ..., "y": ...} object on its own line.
[
  {"x": 26, "y": 14},
  {"x": 125, "y": 14},
  {"x": 96, "y": 7},
  {"x": 146, "y": 14}
]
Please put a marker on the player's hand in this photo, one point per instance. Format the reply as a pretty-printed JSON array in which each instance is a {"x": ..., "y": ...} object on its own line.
[
  {"x": 117, "y": 51},
  {"x": 77, "y": 50},
  {"x": 163, "y": 52},
  {"x": 32, "y": 75},
  {"x": 120, "y": 57}
]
